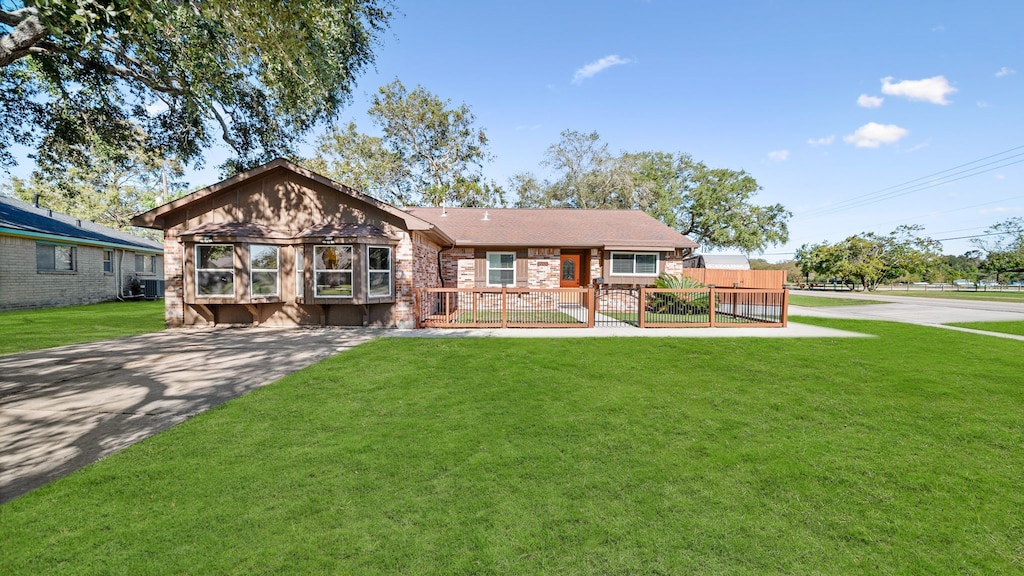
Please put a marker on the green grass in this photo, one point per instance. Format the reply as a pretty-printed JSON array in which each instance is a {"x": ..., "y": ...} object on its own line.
[
  {"x": 824, "y": 301},
  {"x": 532, "y": 317},
  {"x": 1011, "y": 327},
  {"x": 24, "y": 330},
  {"x": 898, "y": 454}
]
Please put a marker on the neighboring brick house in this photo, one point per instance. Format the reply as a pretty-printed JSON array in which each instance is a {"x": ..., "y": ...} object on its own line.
[
  {"x": 281, "y": 245},
  {"x": 52, "y": 259}
]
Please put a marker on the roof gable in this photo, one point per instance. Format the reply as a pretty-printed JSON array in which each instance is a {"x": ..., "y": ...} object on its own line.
[
  {"x": 611, "y": 229},
  {"x": 24, "y": 218},
  {"x": 157, "y": 217}
]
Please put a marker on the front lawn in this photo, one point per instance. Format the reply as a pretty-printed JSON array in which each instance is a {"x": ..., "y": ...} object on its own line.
[
  {"x": 1011, "y": 327},
  {"x": 825, "y": 301},
  {"x": 990, "y": 295},
  {"x": 898, "y": 454},
  {"x": 24, "y": 330}
]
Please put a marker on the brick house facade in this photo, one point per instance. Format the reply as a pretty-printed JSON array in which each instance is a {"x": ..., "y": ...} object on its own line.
[
  {"x": 281, "y": 245},
  {"x": 50, "y": 259}
]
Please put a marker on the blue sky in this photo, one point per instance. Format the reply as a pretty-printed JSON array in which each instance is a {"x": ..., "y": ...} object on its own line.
[{"x": 823, "y": 102}]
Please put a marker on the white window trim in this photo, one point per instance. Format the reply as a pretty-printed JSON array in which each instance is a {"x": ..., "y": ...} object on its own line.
[
  {"x": 370, "y": 271},
  {"x": 611, "y": 264},
  {"x": 277, "y": 286},
  {"x": 488, "y": 268},
  {"x": 198, "y": 269},
  {"x": 106, "y": 253},
  {"x": 300, "y": 263},
  {"x": 351, "y": 271}
]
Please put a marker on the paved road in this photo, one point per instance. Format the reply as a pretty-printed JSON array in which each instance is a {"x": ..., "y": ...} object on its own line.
[
  {"x": 915, "y": 310},
  {"x": 63, "y": 408}
]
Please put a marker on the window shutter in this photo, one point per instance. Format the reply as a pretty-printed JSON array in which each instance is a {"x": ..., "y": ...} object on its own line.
[
  {"x": 522, "y": 268},
  {"x": 479, "y": 268}
]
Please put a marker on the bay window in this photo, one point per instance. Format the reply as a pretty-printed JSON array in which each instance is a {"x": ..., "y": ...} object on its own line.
[
  {"x": 332, "y": 270},
  {"x": 379, "y": 271},
  {"x": 215, "y": 270},
  {"x": 263, "y": 270}
]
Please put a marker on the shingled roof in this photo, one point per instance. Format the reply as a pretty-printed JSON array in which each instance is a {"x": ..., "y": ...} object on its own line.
[
  {"x": 564, "y": 228},
  {"x": 24, "y": 219}
]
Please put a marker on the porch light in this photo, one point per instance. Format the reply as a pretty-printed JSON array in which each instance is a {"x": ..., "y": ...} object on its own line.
[
  {"x": 329, "y": 240},
  {"x": 206, "y": 239}
]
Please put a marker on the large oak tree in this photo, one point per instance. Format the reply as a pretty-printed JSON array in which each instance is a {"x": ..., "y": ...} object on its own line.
[{"x": 183, "y": 72}]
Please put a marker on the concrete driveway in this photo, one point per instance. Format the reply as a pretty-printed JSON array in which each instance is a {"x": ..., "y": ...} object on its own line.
[{"x": 63, "y": 408}]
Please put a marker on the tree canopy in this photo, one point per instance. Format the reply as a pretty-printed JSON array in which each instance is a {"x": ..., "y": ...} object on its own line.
[
  {"x": 870, "y": 259},
  {"x": 711, "y": 205},
  {"x": 258, "y": 74},
  {"x": 428, "y": 152},
  {"x": 1003, "y": 245}
]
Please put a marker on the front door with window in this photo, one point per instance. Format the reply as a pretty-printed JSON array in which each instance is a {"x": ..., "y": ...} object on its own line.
[{"x": 569, "y": 276}]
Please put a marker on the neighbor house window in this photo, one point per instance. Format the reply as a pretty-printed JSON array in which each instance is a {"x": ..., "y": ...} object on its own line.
[
  {"x": 332, "y": 270},
  {"x": 263, "y": 270},
  {"x": 215, "y": 270},
  {"x": 634, "y": 264},
  {"x": 108, "y": 261},
  {"x": 379, "y": 271},
  {"x": 140, "y": 264},
  {"x": 55, "y": 258},
  {"x": 501, "y": 268},
  {"x": 300, "y": 286}
]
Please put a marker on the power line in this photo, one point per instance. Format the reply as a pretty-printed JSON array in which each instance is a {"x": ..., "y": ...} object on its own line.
[{"x": 916, "y": 185}]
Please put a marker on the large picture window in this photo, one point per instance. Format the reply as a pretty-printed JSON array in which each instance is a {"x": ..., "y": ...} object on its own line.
[
  {"x": 332, "y": 267},
  {"x": 501, "y": 268},
  {"x": 263, "y": 270},
  {"x": 55, "y": 258},
  {"x": 634, "y": 264},
  {"x": 215, "y": 270},
  {"x": 379, "y": 274}
]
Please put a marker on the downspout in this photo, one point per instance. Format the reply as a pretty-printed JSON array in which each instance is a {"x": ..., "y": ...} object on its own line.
[
  {"x": 440, "y": 269},
  {"x": 118, "y": 282}
]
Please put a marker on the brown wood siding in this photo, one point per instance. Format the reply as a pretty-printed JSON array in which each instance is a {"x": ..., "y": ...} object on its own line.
[{"x": 761, "y": 279}]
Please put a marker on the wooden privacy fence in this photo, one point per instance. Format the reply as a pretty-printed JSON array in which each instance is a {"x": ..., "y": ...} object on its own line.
[
  {"x": 761, "y": 279},
  {"x": 607, "y": 306}
]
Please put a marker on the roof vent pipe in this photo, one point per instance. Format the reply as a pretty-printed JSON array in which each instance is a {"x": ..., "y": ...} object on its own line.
[
  {"x": 486, "y": 217},
  {"x": 35, "y": 200}
]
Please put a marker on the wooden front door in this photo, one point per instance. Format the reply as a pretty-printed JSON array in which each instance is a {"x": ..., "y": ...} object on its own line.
[{"x": 569, "y": 271}]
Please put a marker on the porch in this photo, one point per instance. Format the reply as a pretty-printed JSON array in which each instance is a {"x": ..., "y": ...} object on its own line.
[{"x": 602, "y": 306}]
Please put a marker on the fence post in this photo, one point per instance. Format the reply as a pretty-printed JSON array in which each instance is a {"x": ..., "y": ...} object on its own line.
[
  {"x": 418, "y": 311},
  {"x": 711, "y": 305},
  {"x": 504, "y": 307},
  {"x": 591, "y": 306},
  {"x": 785, "y": 307},
  {"x": 642, "y": 305}
]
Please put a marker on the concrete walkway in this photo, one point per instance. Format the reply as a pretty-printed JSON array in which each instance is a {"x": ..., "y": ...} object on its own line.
[{"x": 64, "y": 408}]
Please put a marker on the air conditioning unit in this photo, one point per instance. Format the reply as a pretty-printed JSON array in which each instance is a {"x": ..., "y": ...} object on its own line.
[{"x": 153, "y": 289}]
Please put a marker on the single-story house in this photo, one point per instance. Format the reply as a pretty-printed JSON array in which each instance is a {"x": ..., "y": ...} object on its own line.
[
  {"x": 718, "y": 262},
  {"x": 53, "y": 259},
  {"x": 282, "y": 245}
]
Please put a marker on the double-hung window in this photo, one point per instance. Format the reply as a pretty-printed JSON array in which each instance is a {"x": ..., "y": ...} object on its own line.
[
  {"x": 634, "y": 264},
  {"x": 263, "y": 270},
  {"x": 379, "y": 271},
  {"x": 501, "y": 268},
  {"x": 55, "y": 258},
  {"x": 215, "y": 270},
  {"x": 332, "y": 268},
  {"x": 108, "y": 261}
]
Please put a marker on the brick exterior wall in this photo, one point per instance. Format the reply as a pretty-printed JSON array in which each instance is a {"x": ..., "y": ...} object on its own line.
[
  {"x": 595, "y": 265},
  {"x": 22, "y": 286},
  {"x": 174, "y": 305},
  {"x": 544, "y": 271}
]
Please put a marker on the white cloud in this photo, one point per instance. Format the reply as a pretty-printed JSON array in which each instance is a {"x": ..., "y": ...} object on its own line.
[
  {"x": 1001, "y": 210},
  {"x": 873, "y": 135},
  {"x": 597, "y": 66},
  {"x": 982, "y": 103},
  {"x": 1004, "y": 72},
  {"x": 778, "y": 155},
  {"x": 822, "y": 141},
  {"x": 934, "y": 89},
  {"x": 940, "y": 28},
  {"x": 865, "y": 101}
]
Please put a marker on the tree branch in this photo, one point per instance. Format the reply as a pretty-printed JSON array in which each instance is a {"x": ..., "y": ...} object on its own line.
[{"x": 19, "y": 42}]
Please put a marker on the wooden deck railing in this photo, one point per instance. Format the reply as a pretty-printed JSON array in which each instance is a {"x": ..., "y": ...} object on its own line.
[{"x": 606, "y": 307}]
